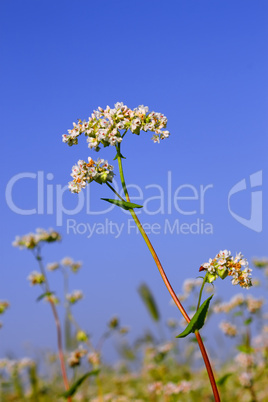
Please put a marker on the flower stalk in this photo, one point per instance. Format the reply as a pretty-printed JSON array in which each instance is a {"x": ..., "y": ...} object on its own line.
[
  {"x": 57, "y": 322},
  {"x": 201, "y": 291},
  {"x": 166, "y": 281}
]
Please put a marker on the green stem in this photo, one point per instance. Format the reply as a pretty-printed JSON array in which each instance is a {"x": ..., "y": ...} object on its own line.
[
  {"x": 78, "y": 328},
  {"x": 118, "y": 148},
  {"x": 200, "y": 293},
  {"x": 166, "y": 281}
]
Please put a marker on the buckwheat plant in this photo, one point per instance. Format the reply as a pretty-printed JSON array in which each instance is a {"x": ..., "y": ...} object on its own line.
[
  {"x": 67, "y": 266},
  {"x": 108, "y": 127},
  {"x": 34, "y": 242}
]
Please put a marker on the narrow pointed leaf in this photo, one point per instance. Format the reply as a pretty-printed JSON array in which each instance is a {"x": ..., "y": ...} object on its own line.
[
  {"x": 237, "y": 314},
  {"x": 248, "y": 321},
  {"x": 222, "y": 380},
  {"x": 149, "y": 301},
  {"x": 123, "y": 204},
  {"x": 72, "y": 390},
  {"x": 198, "y": 319},
  {"x": 245, "y": 349},
  {"x": 44, "y": 295}
]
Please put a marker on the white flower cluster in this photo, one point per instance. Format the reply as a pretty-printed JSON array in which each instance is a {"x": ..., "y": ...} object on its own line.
[
  {"x": 244, "y": 360},
  {"x": 53, "y": 266},
  {"x": 84, "y": 173},
  {"x": 190, "y": 284},
  {"x": 65, "y": 262},
  {"x": 170, "y": 388},
  {"x": 10, "y": 365},
  {"x": 224, "y": 264},
  {"x": 69, "y": 262},
  {"x": 3, "y": 306},
  {"x": 94, "y": 359},
  {"x": 228, "y": 328},
  {"x": 36, "y": 278},
  {"x": 104, "y": 126},
  {"x": 75, "y": 357},
  {"x": 74, "y": 296},
  {"x": 226, "y": 307},
  {"x": 252, "y": 304},
  {"x": 246, "y": 379},
  {"x": 31, "y": 240}
]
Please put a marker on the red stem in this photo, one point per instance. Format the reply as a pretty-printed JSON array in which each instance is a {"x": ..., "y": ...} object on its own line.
[
  {"x": 60, "y": 348},
  {"x": 166, "y": 281},
  {"x": 179, "y": 305},
  {"x": 58, "y": 326}
]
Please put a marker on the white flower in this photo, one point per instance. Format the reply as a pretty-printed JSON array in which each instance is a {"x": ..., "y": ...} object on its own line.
[
  {"x": 155, "y": 138},
  {"x": 141, "y": 109},
  {"x": 224, "y": 254},
  {"x": 36, "y": 278},
  {"x": 244, "y": 360},
  {"x": 228, "y": 328},
  {"x": 53, "y": 266},
  {"x": 74, "y": 296},
  {"x": 245, "y": 379},
  {"x": 189, "y": 284},
  {"x": 120, "y": 125},
  {"x": 244, "y": 262},
  {"x": 238, "y": 256}
]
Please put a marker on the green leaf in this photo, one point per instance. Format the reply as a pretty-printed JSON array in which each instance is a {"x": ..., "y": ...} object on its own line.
[
  {"x": 72, "y": 390},
  {"x": 245, "y": 349},
  {"x": 123, "y": 204},
  {"x": 198, "y": 319},
  {"x": 248, "y": 321},
  {"x": 222, "y": 380},
  {"x": 149, "y": 301},
  {"x": 44, "y": 295},
  {"x": 237, "y": 314}
]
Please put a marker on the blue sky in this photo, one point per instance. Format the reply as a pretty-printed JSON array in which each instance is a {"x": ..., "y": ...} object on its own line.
[{"x": 202, "y": 64}]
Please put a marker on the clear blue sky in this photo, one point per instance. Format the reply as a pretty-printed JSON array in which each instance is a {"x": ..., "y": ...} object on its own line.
[{"x": 204, "y": 65}]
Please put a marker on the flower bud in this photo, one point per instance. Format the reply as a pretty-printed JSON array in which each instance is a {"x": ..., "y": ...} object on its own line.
[
  {"x": 222, "y": 272},
  {"x": 81, "y": 336}
]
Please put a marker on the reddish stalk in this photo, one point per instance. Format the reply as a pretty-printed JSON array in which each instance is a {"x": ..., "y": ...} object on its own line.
[
  {"x": 179, "y": 305},
  {"x": 60, "y": 348},
  {"x": 167, "y": 283},
  {"x": 58, "y": 328}
]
